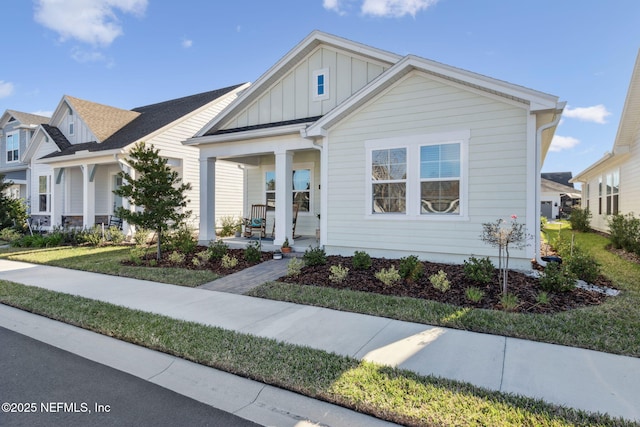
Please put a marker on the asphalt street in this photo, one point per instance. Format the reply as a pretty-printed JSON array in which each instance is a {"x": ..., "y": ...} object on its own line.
[{"x": 41, "y": 385}]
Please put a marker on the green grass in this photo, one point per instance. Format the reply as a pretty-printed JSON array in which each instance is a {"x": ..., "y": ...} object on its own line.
[
  {"x": 388, "y": 393},
  {"x": 107, "y": 260}
]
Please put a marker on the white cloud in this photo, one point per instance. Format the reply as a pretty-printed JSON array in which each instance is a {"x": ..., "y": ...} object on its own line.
[
  {"x": 560, "y": 143},
  {"x": 186, "y": 43},
  {"x": 6, "y": 89},
  {"x": 89, "y": 21},
  {"x": 596, "y": 114},
  {"x": 82, "y": 55},
  {"x": 43, "y": 113},
  {"x": 395, "y": 8}
]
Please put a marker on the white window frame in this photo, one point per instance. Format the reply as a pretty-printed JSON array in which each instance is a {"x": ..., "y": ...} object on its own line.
[
  {"x": 12, "y": 135},
  {"x": 295, "y": 167},
  {"x": 314, "y": 84},
  {"x": 412, "y": 143},
  {"x": 47, "y": 194}
]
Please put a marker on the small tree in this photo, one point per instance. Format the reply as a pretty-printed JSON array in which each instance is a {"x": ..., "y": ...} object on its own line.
[
  {"x": 13, "y": 212},
  {"x": 155, "y": 188},
  {"x": 502, "y": 235}
]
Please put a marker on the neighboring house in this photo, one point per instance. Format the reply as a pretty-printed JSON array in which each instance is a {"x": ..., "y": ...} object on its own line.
[
  {"x": 398, "y": 154},
  {"x": 16, "y": 133},
  {"x": 558, "y": 196},
  {"x": 612, "y": 184},
  {"x": 76, "y": 157}
]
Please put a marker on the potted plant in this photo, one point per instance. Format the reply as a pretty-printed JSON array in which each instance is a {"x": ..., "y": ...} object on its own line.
[
  {"x": 238, "y": 227},
  {"x": 285, "y": 248}
]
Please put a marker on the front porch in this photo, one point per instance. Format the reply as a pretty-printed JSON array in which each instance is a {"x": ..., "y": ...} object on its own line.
[{"x": 300, "y": 244}]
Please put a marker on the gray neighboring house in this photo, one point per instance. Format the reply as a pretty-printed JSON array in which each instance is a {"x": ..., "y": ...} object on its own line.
[
  {"x": 16, "y": 132},
  {"x": 557, "y": 195}
]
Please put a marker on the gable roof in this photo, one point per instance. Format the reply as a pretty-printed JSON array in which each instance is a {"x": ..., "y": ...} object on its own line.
[
  {"x": 149, "y": 119},
  {"x": 563, "y": 178},
  {"x": 102, "y": 120},
  {"x": 23, "y": 118}
]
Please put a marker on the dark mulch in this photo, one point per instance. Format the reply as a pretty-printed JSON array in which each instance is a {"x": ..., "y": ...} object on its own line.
[{"x": 524, "y": 287}]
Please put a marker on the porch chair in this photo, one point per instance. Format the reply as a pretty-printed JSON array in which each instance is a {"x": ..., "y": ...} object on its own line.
[
  {"x": 115, "y": 221},
  {"x": 257, "y": 221},
  {"x": 296, "y": 208}
]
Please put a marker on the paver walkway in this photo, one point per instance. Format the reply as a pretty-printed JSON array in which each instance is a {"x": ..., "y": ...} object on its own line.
[{"x": 249, "y": 278}]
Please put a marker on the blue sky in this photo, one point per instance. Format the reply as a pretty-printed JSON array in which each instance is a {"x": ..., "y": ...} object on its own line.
[{"x": 129, "y": 53}]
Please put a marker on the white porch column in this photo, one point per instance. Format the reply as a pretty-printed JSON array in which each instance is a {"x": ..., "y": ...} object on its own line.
[
  {"x": 284, "y": 197},
  {"x": 207, "y": 230},
  {"x": 88, "y": 196},
  {"x": 56, "y": 209}
]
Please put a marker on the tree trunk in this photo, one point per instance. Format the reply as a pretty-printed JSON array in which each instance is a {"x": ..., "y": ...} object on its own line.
[{"x": 159, "y": 251}]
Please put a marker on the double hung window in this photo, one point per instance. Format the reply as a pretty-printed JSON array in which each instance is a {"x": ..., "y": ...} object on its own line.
[{"x": 13, "y": 147}]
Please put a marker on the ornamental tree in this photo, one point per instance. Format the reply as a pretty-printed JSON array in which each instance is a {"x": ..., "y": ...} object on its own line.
[
  {"x": 154, "y": 188},
  {"x": 13, "y": 212}
]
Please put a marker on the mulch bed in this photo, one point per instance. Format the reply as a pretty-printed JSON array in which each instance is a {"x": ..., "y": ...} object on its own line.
[{"x": 526, "y": 288}]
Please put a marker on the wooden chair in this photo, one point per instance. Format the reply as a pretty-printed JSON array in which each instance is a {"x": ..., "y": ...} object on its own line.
[
  {"x": 296, "y": 208},
  {"x": 115, "y": 221},
  {"x": 257, "y": 221}
]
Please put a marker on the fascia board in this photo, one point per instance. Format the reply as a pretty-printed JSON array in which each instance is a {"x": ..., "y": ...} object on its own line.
[
  {"x": 81, "y": 157},
  {"x": 241, "y": 136}
]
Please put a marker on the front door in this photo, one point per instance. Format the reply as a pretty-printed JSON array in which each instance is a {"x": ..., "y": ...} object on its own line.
[{"x": 546, "y": 209}]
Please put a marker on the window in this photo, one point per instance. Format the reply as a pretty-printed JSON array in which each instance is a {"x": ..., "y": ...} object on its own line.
[
  {"x": 421, "y": 176},
  {"x": 44, "y": 195},
  {"x": 70, "y": 128},
  {"x": 301, "y": 189},
  {"x": 613, "y": 189},
  {"x": 600, "y": 195},
  {"x": 588, "y": 193},
  {"x": 320, "y": 84},
  {"x": 389, "y": 180},
  {"x": 13, "y": 147}
]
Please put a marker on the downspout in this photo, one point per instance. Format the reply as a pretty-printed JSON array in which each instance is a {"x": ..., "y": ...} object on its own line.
[
  {"x": 318, "y": 145},
  {"x": 538, "y": 179}
]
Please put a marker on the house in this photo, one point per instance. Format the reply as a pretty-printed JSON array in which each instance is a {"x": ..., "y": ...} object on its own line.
[
  {"x": 612, "y": 184},
  {"x": 16, "y": 132},
  {"x": 76, "y": 156},
  {"x": 558, "y": 196},
  {"x": 397, "y": 155}
]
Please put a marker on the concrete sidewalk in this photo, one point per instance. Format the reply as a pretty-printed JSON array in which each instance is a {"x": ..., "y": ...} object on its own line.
[{"x": 583, "y": 379}]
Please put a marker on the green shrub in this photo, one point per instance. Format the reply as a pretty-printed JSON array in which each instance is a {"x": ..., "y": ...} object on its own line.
[
  {"x": 509, "y": 302},
  {"x": 411, "y": 268},
  {"x": 115, "y": 235},
  {"x": 338, "y": 273},
  {"x": 229, "y": 225},
  {"x": 253, "y": 252},
  {"x": 474, "y": 294},
  {"x": 583, "y": 265},
  {"x": 294, "y": 267},
  {"x": 389, "y": 276},
  {"x": 9, "y": 235},
  {"x": 176, "y": 257},
  {"x": 93, "y": 236},
  {"x": 557, "y": 278},
  {"x": 182, "y": 239},
  {"x": 203, "y": 256},
  {"x": 315, "y": 256},
  {"x": 543, "y": 222},
  {"x": 580, "y": 219},
  {"x": 361, "y": 260},
  {"x": 197, "y": 262},
  {"x": 479, "y": 270},
  {"x": 141, "y": 236},
  {"x": 229, "y": 261},
  {"x": 54, "y": 239},
  {"x": 624, "y": 232},
  {"x": 440, "y": 281},
  {"x": 217, "y": 249},
  {"x": 543, "y": 298}
]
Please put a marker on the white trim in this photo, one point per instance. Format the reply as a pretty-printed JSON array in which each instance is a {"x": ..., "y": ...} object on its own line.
[{"x": 413, "y": 143}]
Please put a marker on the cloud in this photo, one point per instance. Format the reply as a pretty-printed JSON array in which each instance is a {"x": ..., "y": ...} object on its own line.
[
  {"x": 186, "y": 43},
  {"x": 596, "y": 114},
  {"x": 83, "y": 56},
  {"x": 560, "y": 143},
  {"x": 90, "y": 21},
  {"x": 43, "y": 113},
  {"x": 6, "y": 89},
  {"x": 380, "y": 8}
]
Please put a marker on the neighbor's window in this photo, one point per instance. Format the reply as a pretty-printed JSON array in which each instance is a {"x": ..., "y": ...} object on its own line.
[
  {"x": 13, "y": 147},
  {"x": 44, "y": 193},
  {"x": 389, "y": 180},
  {"x": 301, "y": 189},
  {"x": 440, "y": 179}
]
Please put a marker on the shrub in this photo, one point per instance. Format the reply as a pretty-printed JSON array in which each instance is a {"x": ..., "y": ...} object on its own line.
[
  {"x": 294, "y": 267},
  {"x": 557, "y": 278},
  {"x": 580, "y": 219},
  {"x": 217, "y": 249},
  {"x": 543, "y": 222},
  {"x": 509, "y": 302},
  {"x": 228, "y": 224},
  {"x": 479, "y": 269},
  {"x": 53, "y": 239},
  {"x": 93, "y": 236},
  {"x": 136, "y": 254},
  {"x": 315, "y": 256},
  {"x": 543, "y": 298},
  {"x": 141, "y": 236},
  {"x": 229, "y": 261},
  {"x": 624, "y": 232},
  {"x": 203, "y": 256},
  {"x": 115, "y": 235},
  {"x": 253, "y": 252},
  {"x": 474, "y": 294},
  {"x": 583, "y": 265},
  {"x": 361, "y": 260},
  {"x": 411, "y": 268},
  {"x": 182, "y": 239},
  {"x": 338, "y": 273},
  {"x": 9, "y": 234},
  {"x": 176, "y": 257},
  {"x": 196, "y": 261},
  {"x": 389, "y": 276},
  {"x": 440, "y": 281}
]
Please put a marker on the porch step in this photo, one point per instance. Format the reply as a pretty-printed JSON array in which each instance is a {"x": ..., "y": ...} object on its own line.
[{"x": 249, "y": 278}]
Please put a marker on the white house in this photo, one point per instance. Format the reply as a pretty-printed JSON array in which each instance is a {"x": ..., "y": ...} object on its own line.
[
  {"x": 398, "y": 154},
  {"x": 75, "y": 158},
  {"x": 612, "y": 184},
  {"x": 16, "y": 132},
  {"x": 557, "y": 195}
]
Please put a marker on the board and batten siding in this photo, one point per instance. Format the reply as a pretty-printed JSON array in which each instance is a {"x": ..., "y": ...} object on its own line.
[
  {"x": 291, "y": 97},
  {"x": 420, "y": 105}
]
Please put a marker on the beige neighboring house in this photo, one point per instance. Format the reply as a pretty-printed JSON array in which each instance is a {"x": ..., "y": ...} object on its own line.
[
  {"x": 398, "y": 154},
  {"x": 16, "y": 133},
  {"x": 76, "y": 156},
  {"x": 612, "y": 184}
]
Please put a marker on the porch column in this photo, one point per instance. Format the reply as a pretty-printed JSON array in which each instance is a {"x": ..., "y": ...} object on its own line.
[
  {"x": 56, "y": 197},
  {"x": 207, "y": 231},
  {"x": 284, "y": 197},
  {"x": 88, "y": 196}
]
